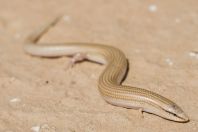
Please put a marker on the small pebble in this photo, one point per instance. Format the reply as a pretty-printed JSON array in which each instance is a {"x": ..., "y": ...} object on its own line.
[
  {"x": 47, "y": 128},
  {"x": 14, "y": 100},
  {"x": 66, "y": 18},
  {"x": 152, "y": 8},
  {"x": 35, "y": 128},
  {"x": 169, "y": 61},
  {"x": 193, "y": 54}
]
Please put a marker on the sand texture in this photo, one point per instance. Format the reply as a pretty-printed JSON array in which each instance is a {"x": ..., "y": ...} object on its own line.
[{"x": 159, "y": 39}]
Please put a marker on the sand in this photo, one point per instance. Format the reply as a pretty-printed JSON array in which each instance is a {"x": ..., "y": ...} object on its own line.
[{"x": 41, "y": 95}]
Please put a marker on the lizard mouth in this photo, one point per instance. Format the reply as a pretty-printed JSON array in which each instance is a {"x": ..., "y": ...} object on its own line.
[{"x": 181, "y": 117}]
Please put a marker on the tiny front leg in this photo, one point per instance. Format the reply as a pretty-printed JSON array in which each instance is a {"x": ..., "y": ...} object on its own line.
[
  {"x": 141, "y": 112},
  {"x": 78, "y": 57}
]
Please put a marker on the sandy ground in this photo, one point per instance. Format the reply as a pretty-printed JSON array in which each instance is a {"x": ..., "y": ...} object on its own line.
[{"x": 41, "y": 95}]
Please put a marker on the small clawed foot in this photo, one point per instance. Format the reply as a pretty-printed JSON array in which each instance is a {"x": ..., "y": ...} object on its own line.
[
  {"x": 141, "y": 112},
  {"x": 78, "y": 57}
]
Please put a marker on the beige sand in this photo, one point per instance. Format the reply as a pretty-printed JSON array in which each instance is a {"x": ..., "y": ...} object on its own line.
[{"x": 41, "y": 95}]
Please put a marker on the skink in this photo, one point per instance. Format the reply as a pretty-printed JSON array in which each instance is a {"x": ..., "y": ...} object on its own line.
[{"x": 111, "y": 78}]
